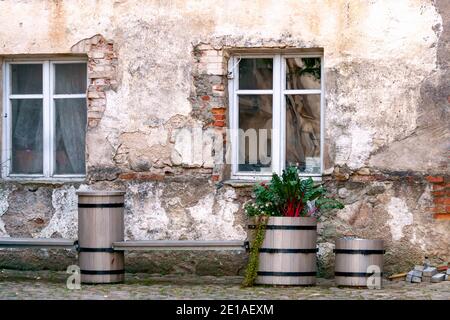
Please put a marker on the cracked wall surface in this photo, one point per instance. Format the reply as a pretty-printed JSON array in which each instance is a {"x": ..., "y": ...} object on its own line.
[{"x": 158, "y": 72}]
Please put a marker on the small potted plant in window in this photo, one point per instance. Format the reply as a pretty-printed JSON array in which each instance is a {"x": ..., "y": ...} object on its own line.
[{"x": 284, "y": 229}]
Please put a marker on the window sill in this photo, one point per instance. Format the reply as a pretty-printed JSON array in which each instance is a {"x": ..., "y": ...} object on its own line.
[
  {"x": 30, "y": 180},
  {"x": 241, "y": 183},
  {"x": 244, "y": 183}
]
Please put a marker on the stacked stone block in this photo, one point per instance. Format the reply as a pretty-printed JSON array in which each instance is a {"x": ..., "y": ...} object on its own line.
[{"x": 426, "y": 274}]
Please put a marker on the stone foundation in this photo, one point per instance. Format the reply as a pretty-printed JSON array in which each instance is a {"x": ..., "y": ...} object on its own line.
[{"x": 397, "y": 209}]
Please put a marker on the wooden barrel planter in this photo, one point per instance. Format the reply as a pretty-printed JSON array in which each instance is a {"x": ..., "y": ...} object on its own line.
[
  {"x": 288, "y": 253},
  {"x": 100, "y": 223},
  {"x": 355, "y": 259}
]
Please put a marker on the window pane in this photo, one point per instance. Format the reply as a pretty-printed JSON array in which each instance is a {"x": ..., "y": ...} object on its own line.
[
  {"x": 26, "y": 136},
  {"x": 302, "y": 73},
  {"x": 255, "y": 134},
  {"x": 70, "y": 78},
  {"x": 255, "y": 74},
  {"x": 303, "y": 132},
  {"x": 70, "y": 130},
  {"x": 26, "y": 78}
]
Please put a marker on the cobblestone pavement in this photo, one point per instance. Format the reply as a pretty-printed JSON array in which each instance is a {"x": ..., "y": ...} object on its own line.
[{"x": 52, "y": 285}]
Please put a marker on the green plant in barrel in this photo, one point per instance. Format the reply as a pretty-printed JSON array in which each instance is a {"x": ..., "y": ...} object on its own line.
[{"x": 287, "y": 195}]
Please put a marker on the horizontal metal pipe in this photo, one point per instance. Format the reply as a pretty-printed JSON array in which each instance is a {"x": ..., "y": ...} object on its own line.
[
  {"x": 36, "y": 243},
  {"x": 128, "y": 245},
  {"x": 180, "y": 245}
]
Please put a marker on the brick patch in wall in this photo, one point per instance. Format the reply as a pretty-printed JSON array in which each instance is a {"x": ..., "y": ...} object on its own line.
[
  {"x": 435, "y": 179},
  {"x": 102, "y": 62},
  {"x": 167, "y": 174},
  {"x": 441, "y": 196},
  {"x": 141, "y": 176},
  {"x": 208, "y": 96}
]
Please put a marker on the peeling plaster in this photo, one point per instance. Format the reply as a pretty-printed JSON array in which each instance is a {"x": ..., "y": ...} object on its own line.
[
  {"x": 64, "y": 221},
  {"x": 147, "y": 219},
  {"x": 354, "y": 148},
  {"x": 4, "y": 205},
  {"x": 400, "y": 217},
  {"x": 215, "y": 221}
]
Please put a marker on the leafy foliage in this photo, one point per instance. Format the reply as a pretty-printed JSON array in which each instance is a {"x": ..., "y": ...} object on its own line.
[
  {"x": 312, "y": 66},
  {"x": 290, "y": 196}
]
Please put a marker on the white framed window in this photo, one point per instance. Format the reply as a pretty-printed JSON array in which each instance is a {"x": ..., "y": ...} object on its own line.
[
  {"x": 276, "y": 114},
  {"x": 44, "y": 119}
]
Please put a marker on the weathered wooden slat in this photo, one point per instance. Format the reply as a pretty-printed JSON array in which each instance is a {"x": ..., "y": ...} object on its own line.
[
  {"x": 36, "y": 243},
  {"x": 180, "y": 245}
]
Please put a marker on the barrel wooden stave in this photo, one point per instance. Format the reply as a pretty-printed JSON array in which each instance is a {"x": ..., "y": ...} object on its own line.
[
  {"x": 98, "y": 228},
  {"x": 101, "y": 261},
  {"x": 288, "y": 262},
  {"x": 357, "y": 262}
]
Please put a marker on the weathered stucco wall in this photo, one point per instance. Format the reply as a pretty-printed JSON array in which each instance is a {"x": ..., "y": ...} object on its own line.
[{"x": 387, "y": 113}]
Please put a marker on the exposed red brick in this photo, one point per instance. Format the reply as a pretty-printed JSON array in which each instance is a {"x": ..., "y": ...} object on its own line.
[
  {"x": 438, "y": 209},
  {"x": 442, "y": 216},
  {"x": 150, "y": 176},
  {"x": 442, "y": 200},
  {"x": 219, "y": 110},
  {"x": 218, "y": 87},
  {"x": 102, "y": 64},
  {"x": 96, "y": 94},
  {"x": 39, "y": 221},
  {"x": 219, "y": 123},
  {"x": 206, "y": 98},
  {"x": 435, "y": 179},
  {"x": 215, "y": 177},
  {"x": 128, "y": 176},
  {"x": 219, "y": 117},
  {"x": 437, "y": 187},
  {"x": 93, "y": 122},
  {"x": 438, "y": 193},
  {"x": 380, "y": 177}
]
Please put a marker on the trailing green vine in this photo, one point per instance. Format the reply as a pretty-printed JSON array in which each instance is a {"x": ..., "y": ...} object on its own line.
[{"x": 253, "y": 261}]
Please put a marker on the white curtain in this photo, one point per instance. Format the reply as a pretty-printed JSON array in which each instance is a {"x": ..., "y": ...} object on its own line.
[
  {"x": 26, "y": 132},
  {"x": 70, "y": 119},
  {"x": 70, "y": 130},
  {"x": 27, "y": 142}
]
